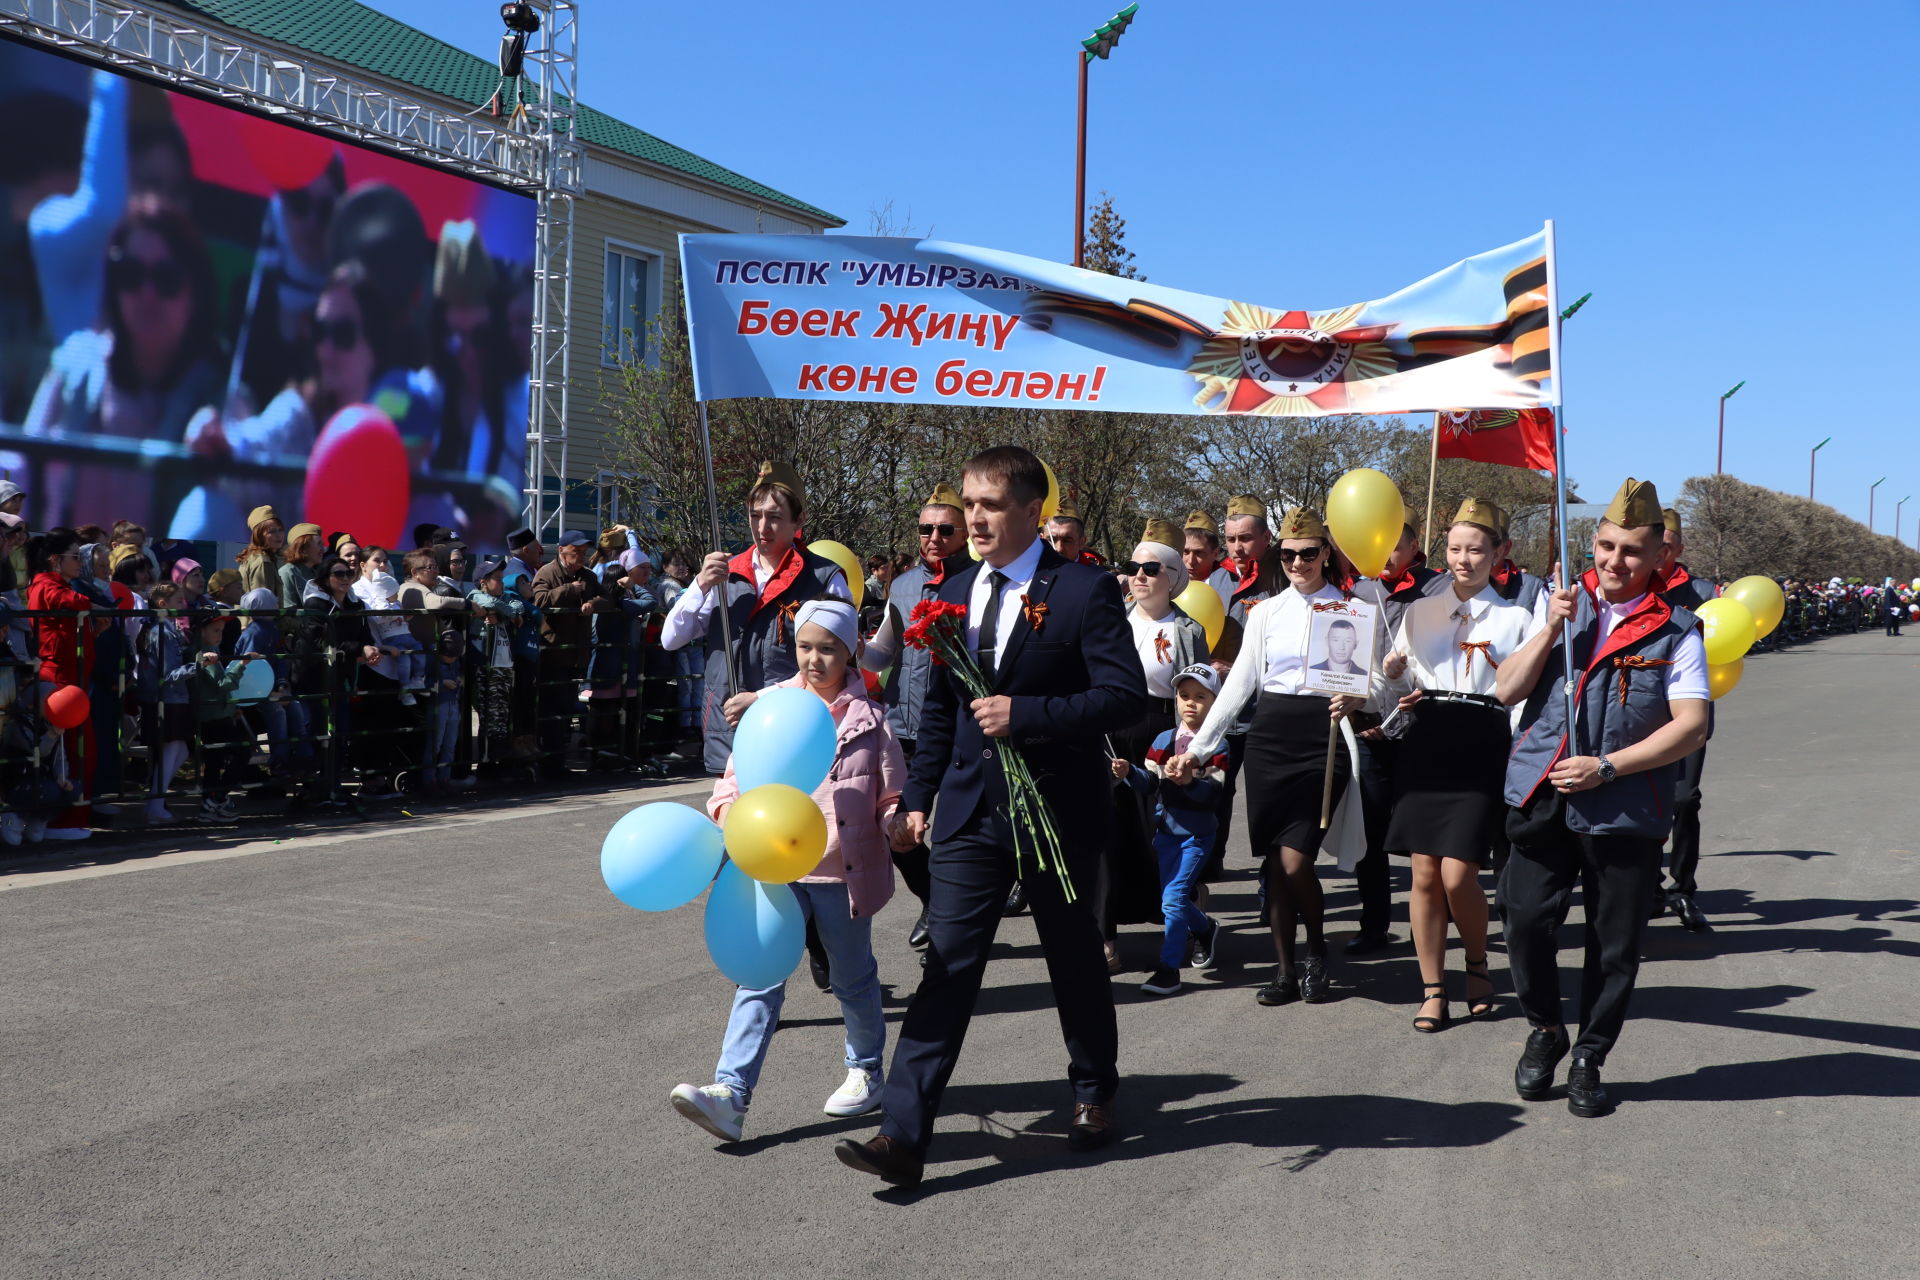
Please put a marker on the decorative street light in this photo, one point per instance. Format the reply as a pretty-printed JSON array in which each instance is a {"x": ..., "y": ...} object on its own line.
[
  {"x": 1870, "y": 488},
  {"x": 1097, "y": 45},
  {"x": 1810, "y": 461},
  {"x": 1896, "y": 517},
  {"x": 1720, "y": 457}
]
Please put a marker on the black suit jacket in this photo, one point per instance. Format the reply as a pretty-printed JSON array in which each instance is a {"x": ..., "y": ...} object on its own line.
[{"x": 1073, "y": 680}]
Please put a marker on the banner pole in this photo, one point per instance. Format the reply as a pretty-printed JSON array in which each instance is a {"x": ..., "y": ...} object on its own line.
[
  {"x": 1567, "y": 575},
  {"x": 1433, "y": 471},
  {"x": 713, "y": 514}
]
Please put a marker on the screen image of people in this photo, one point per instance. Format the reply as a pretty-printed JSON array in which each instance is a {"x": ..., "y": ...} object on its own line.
[{"x": 191, "y": 297}]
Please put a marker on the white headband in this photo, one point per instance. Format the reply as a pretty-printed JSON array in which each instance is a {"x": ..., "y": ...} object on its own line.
[{"x": 836, "y": 616}]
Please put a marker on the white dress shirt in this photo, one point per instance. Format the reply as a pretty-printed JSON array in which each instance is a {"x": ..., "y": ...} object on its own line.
[
  {"x": 1019, "y": 576},
  {"x": 1146, "y": 631},
  {"x": 1273, "y": 657},
  {"x": 687, "y": 621},
  {"x": 1687, "y": 677},
  {"x": 1434, "y": 628}
]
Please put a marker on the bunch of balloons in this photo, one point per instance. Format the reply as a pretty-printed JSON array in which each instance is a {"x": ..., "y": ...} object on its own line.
[
  {"x": 1746, "y": 611},
  {"x": 662, "y": 855}
]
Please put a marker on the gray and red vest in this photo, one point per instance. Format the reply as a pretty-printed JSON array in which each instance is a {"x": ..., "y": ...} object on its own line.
[{"x": 1620, "y": 698}]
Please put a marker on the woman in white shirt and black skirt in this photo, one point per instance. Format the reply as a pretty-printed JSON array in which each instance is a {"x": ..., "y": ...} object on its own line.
[
  {"x": 1455, "y": 737},
  {"x": 1286, "y": 754}
]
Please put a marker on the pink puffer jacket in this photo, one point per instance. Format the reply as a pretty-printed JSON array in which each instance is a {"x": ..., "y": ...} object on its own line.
[{"x": 860, "y": 794}]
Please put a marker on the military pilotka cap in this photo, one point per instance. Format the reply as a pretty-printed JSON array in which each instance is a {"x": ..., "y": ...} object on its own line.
[
  {"x": 1486, "y": 514},
  {"x": 782, "y": 476},
  {"x": 1201, "y": 522},
  {"x": 1636, "y": 506},
  {"x": 1066, "y": 510},
  {"x": 1301, "y": 522},
  {"x": 1245, "y": 504},
  {"x": 944, "y": 496},
  {"x": 1672, "y": 520},
  {"x": 1162, "y": 532}
]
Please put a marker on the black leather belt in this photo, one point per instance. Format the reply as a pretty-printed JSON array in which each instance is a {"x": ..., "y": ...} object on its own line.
[{"x": 1452, "y": 695}]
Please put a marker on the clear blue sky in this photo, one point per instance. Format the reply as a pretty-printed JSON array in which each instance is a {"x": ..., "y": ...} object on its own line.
[{"x": 1736, "y": 183}]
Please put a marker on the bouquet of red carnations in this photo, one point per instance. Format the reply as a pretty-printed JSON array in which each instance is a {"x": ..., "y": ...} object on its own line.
[{"x": 940, "y": 627}]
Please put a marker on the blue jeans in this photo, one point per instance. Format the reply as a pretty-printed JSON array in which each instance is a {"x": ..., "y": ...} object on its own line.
[
  {"x": 443, "y": 733},
  {"x": 1182, "y": 858},
  {"x": 856, "y": 984},
  {"x": 411, "y": 665}
]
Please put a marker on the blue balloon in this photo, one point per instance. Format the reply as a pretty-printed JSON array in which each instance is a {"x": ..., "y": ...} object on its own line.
[
  {"x": 755, "y": 932},
  {"x": 661, "y": 856},
  {"x": 786, "y": 736},
  {"x": 256, "y": 680}
]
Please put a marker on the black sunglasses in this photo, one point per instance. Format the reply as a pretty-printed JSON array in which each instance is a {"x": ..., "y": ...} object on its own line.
[
  {"x": 1151, "y": 568},
  {"x": 342, "y": 334},
  {"x": 944, "y": 530},
  {"x": 1288, "y": 554},
  {"x": 127, "y": 275},
  {"x": 340, "y": 573},
  {"x": 300, "y": 203}
]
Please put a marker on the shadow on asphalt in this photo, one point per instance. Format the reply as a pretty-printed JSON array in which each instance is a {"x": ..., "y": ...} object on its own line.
[
  {"x": 1736, "y": 1008},
  {"x": 1819, "y": 1075},
  {"x": 1738, "y": 902},
  {"x": 1151, "y": 1123},
  {"x": 1804, "y": 855}
]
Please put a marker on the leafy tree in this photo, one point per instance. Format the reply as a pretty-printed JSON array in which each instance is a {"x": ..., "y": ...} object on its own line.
[{"x": 1106, "y": 242}]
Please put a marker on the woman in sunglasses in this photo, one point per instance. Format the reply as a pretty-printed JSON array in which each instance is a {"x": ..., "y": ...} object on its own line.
[
  {"x": 143, "y": 375},
  {"x": 1168, "y": 641},
  {"x": 1286, "y": 753}
]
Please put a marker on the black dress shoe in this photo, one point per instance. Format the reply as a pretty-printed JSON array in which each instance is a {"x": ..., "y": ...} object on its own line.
[
  {"x": 1016, "y": 900},
  {"x": 1659, "y": 907},
  {"x": 817, "y": 966},
  {"x": 1092, "y": 1126},
  {"x": 1282, "y": 990},
  {"x": 1533, "y": 1077},
  {"x": 1586, "y": 1096},
  {"x": 1314, "y": 982},
  {"x": 1369, "y": 941},
  {"x": 1691, "y": 919},
  {"x": 917, "y": 936},
  {"x": 882, "y": 1157}
]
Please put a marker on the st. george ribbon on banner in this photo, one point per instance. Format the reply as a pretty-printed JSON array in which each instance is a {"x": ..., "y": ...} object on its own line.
[{"x": 929, "y": 322}]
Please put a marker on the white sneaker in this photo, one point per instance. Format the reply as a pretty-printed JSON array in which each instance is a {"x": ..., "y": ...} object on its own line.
[
  {"x": 711, "y": 1106},
  {"x": 12, "y": 827},
  {"x": 858, "y": 1096},
  {"x": 69, "y": 833}
]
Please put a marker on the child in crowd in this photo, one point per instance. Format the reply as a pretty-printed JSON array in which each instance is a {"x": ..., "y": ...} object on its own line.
[
  {"x": 436, "y": 606},
  {"x": 380, "y": 593},
  {"x": 526, "y": 665},
  {"x": 1183, "y": 829},
  {"x": 33, "y": 768},
  {"x": 497, "y": 615},
  {"x": 166, "y": 717},
  {"x": 841, "y": 895},
  {"x": 225, "y": 741},
  {"x": 281, "y": 717}
]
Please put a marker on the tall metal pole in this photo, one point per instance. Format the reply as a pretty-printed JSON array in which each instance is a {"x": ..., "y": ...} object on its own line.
[
  {"x": 1567, "y": 575},
  {"x": 1080, "y": 170},
  {"x": 1720, "y": 453},
  {"x": 1813, "y": 456},
  {"x": 1870, "y": 488},
  {"x": 1896, "y": 517},
  {"x": 713, "y": 513}
]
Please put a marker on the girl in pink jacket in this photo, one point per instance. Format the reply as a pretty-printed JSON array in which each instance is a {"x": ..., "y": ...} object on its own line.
[{"x": 840, "y": 896}]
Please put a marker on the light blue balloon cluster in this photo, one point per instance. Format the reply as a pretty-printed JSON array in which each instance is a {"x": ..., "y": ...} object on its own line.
[{"x": 256, "y": 681}]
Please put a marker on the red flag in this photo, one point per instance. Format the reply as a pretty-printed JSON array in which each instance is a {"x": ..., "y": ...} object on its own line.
[{"x": 1509, "y": 437}]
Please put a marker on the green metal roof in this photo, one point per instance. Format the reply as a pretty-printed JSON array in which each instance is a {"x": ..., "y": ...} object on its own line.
[{"x": 351, "y": 34}]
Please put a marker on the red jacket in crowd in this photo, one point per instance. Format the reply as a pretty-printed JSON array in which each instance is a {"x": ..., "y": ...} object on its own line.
[{"x": 60, "y": 654}]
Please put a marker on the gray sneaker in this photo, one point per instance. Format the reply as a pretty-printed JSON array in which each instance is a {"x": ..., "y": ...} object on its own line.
[{"x": 714, "y": 1107}]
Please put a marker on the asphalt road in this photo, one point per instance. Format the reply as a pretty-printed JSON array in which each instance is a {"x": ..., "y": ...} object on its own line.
[{"x": 440, "y": 1048}]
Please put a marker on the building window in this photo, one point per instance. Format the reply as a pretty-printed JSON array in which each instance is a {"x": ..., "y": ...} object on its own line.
[{"x": 631, "y": 299}]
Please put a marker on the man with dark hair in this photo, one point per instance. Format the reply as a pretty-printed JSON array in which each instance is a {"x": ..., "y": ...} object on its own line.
[
  {"x": 1640, "y": 706},
  {"x": 1055, "y": 646},
  {"x": 1066, "y": 533}
]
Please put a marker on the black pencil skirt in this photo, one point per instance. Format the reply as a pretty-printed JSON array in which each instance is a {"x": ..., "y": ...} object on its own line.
[
  {"x": 1449, "y": 782},
  {"x": 1285, "y": 767}
]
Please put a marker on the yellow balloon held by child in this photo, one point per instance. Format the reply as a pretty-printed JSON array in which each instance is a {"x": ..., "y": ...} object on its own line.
[
  {"x": 1763, "y": 598},
  {"x": 776, "y": 833},
  {"x": 1729, "y": 630},
  {"x": 1202, "y": 603},
  {"x": 1721, "y": 680},
  {"x": 849, "y": 564},
  {"x": 1365, "y": 516}
]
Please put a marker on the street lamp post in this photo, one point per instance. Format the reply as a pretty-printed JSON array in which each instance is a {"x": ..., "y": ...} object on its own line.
[
  {"x": 1870, "y": 488},
  {"x": 1097, "y": 45},
  {"x": 1810, "y": 461},
  {"x": 1896, "y": 517},
  {"x": 1720, "y": 456}
]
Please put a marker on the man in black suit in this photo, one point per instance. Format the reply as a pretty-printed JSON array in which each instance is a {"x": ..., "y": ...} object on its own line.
[{"x": 1054, "y": 641}]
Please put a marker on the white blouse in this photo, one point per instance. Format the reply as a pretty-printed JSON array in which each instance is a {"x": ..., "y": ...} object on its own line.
[{"x": 1458, "y": 644}]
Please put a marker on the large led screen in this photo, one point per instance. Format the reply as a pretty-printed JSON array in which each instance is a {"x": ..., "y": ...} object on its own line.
[{"x": 203, "y": 311}]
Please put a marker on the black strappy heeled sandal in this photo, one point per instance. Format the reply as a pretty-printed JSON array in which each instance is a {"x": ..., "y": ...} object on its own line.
[
  {"x": 1426, "y": 1022},
  {"x": 1477, "y": 971}
]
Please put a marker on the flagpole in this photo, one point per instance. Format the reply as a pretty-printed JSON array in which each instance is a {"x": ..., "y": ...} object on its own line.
[
  {"x": 1560, "y": 467},
  {"x": 713, "y": 513},
  {"x": 1433, "y": 469}
]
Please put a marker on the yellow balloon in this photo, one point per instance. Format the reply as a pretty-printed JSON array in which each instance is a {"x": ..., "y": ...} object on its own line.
[
  {"x": 1365, "y": 516},
  {"x": 1729, "y": 630},
  {"x": 1051, "y": 503},
  {"x": 1763, "y": 599},
  {"x": 776, "y": 833},
  {"x": 849, "y": 562},
  {"x": 1202, "y": 603},
  {"x": 1721, "y": 680}
]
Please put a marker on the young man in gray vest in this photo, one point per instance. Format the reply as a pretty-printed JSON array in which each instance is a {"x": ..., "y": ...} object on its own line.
[{"x": 1592, "y": 801}]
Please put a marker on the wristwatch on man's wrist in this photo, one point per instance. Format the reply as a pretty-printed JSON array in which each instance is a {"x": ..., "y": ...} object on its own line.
[{"x": 1607, "y": 771}]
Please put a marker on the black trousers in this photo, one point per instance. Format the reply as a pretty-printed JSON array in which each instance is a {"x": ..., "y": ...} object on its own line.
[
  {"x": 912, "y": 865},
  {"x": 1683, "y": 863},
  {"x": 558, "y": 699},
  {"x": 1617, "y": 876},
  {"x": 972, "y": 874},
  {"x": 1372, "y": 874},
  {"x": 1223, "y": 825}
]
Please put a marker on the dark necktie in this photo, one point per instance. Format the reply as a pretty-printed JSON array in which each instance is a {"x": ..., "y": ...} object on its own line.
[{"x": 990, "y": 625}]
